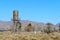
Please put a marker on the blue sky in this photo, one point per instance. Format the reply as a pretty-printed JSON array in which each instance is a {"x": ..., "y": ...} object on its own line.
[{"x": 34, "y": 10}]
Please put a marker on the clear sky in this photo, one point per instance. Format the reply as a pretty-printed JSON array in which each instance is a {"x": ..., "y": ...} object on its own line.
[{"x": 34, "y": 10}]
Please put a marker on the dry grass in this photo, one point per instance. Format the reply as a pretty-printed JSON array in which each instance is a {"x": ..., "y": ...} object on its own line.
[{"x": 29, "y": 36}]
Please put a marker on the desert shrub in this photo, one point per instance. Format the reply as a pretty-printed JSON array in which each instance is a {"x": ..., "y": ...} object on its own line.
[
  {"x": 48, "y": 28},
  {"x": 29, "y": 28}
]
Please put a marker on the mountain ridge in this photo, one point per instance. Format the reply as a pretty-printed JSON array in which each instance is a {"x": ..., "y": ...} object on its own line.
[{"x": 38, "y": 25}]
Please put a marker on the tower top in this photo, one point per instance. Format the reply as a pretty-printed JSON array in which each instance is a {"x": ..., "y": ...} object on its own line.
[{"x": 15, "y": 15}]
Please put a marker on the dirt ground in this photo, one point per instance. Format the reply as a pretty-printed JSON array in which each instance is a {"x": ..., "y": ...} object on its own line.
[{"x": 29, "y": 36}]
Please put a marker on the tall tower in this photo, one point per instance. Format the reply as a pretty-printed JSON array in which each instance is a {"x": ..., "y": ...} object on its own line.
[{"x": 16, "y": 23}]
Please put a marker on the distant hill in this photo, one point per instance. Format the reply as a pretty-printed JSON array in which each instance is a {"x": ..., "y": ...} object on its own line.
[{"x": 38, "y": 26}]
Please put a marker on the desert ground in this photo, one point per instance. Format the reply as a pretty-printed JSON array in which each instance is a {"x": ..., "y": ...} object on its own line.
[{"x": 29, "y": 36}]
